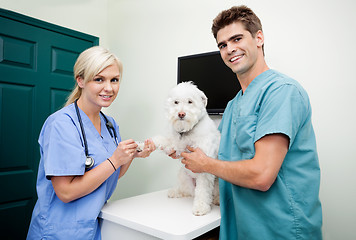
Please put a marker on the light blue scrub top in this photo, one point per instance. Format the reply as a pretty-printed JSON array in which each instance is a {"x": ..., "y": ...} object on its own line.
[
  {"x": 62, "y": 154},
  {"x": 290, "y": 209}
]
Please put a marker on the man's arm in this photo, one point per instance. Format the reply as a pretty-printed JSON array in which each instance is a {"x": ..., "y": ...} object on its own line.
[{"x": 258, "y": 173}]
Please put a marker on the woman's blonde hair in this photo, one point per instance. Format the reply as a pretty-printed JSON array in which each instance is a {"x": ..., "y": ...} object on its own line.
[{"x": 89, "y": 64}]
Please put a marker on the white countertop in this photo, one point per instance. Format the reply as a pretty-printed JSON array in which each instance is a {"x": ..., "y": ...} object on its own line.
[{"x": 157, "y": 215}]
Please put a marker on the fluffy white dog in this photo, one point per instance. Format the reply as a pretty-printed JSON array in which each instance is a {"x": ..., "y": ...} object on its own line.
[{"x": 190, "y": 125}]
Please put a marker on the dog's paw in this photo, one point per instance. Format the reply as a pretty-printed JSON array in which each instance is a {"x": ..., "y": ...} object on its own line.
[
  {"x": 167, "y": 151},
  {"x": 175, "y": 193},
  {"x": 140, "y": 146},
  {"x": 201, "y": 208}
]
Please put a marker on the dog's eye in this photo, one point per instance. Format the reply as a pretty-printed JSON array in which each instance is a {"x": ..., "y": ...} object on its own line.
[
  {"x": 190, "y": 101},
  {"x": 176, "y": 102}
]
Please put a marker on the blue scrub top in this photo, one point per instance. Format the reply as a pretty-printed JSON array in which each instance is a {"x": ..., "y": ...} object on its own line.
[
  {"x": 62, "y": 154},
  {"x": 290, "y": 209}
]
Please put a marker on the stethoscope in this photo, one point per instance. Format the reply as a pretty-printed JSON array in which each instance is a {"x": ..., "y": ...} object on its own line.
[{"x": 89, "y": 161}]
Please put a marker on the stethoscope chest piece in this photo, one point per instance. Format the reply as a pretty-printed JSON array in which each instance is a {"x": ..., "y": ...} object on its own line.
[{"x": 89, "y": 162}]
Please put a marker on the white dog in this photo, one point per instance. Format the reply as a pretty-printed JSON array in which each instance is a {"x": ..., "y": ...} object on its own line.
[{"x": 190, "y": 125}]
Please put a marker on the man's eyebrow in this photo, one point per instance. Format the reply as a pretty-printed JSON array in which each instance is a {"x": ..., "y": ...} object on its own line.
[
  {"x": 221, "y": 43},
  {"x": 230, "y": 39}
]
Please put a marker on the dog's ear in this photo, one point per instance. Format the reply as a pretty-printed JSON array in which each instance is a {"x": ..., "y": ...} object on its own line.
[{"x": 204, "y": 99}]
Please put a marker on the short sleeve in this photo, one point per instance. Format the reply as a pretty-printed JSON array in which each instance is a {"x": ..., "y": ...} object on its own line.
[
  {"x": 61, "y": 148},
  {"x": 282, "y": 110}
]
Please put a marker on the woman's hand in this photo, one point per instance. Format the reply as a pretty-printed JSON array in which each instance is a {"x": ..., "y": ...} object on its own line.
[
  {"x": 124, "y": 153},
  {"x": 148, "y": 148},
  {"x": 69, "y": 188}
]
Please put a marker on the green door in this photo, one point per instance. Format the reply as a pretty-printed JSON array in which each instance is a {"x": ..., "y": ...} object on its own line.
[{"x": 36, "y": 75}]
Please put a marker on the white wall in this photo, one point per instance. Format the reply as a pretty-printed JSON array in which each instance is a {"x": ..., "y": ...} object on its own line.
[{"x": 311, "y": 41}]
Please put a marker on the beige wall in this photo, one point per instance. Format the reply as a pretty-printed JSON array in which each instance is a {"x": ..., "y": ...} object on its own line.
[{"x": 312, "y": 41}]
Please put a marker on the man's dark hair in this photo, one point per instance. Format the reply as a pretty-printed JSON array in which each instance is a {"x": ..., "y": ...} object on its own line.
[{"x": 241, "y": 14}]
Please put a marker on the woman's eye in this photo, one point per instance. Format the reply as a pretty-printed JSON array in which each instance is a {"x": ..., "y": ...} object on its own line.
[
  {"x": 98, "y": 79},
  {"x": 114, "y": 80}
]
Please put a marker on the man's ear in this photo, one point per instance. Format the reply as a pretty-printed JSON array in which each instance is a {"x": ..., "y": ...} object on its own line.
[
  {"x": 80, "y": 82},
  {"x": 260, "y": 38}
]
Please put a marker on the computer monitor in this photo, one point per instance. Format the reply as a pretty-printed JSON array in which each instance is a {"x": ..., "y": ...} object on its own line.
[{"x": 212, "y": 76}]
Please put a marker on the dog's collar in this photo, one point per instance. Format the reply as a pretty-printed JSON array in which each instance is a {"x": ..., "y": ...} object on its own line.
[{"x": 182, "y": 134}]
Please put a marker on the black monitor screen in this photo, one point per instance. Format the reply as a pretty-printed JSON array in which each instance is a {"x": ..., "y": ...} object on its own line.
[{"x": 212, "y": 76}]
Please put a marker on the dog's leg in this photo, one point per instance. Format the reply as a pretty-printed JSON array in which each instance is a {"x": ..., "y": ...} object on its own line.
[
  {"x": 160, "y": 142},
  {"x": 185, "y": 186},
  {"x": 203, "y": 194},
  {"x": 216, "y": 192}
]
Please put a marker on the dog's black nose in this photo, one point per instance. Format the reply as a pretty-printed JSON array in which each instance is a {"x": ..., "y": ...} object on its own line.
[{"x": 181, "y": 115}]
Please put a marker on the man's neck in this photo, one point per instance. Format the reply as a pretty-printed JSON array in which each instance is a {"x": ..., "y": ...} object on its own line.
[{"x": 246, "y": 78}]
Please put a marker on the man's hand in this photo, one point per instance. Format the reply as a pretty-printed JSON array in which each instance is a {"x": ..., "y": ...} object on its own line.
[{"x": 196, "y": 160}]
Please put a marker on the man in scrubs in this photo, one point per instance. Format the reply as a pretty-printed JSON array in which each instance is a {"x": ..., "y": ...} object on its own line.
[{"x": 267, "y": 163}]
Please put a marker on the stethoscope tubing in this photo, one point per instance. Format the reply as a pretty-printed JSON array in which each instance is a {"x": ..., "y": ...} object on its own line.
[
  {"x": 82, "y": 128},
  {"x": 89, "y": 162}
]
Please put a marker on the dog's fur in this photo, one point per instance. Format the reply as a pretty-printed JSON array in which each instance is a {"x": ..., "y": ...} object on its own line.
[{"x": 190, "y": 125}]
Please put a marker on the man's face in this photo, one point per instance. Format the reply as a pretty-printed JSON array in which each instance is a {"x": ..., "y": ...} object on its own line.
[{"x": 238, "y": 49}]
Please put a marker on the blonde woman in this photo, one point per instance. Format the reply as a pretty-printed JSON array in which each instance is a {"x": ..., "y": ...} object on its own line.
[{"x": 82, "y": 155}]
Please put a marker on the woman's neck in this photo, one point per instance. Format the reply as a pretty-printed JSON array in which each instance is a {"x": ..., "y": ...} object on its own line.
[{"x": 92, "y": 113}]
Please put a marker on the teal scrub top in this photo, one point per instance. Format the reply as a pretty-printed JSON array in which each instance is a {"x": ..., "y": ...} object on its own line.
[
  {"x": 290, "y": 209},
  {"x": 62, "y": 154}
]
